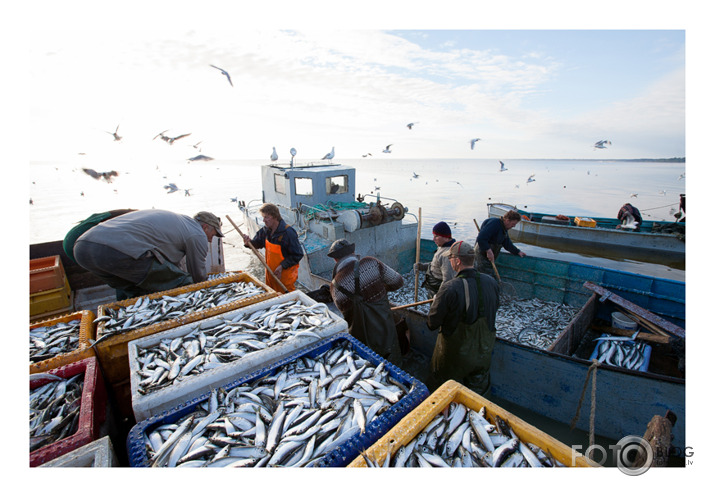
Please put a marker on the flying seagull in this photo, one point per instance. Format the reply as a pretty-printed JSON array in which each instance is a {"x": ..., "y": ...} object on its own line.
[
  {"x": 415, "y": 175},
  {"x": 473, "y": 141},
  {"x": 365, "y": 155},
  {"x": 223, "y": 72},
  {"x": 502, "y": 169},
  {"x": 531, "y": 179},
  {"x": 460, "y": 184},
  {"x": 274, "y": 155},
  {"x": 169, "y": 139},
  {"x": 115, "y": 135},
  {"x": 196, "y": 145},
  {"x": 387, "y": 149},
  {"x": 601, "y": 144},
  {"x": 329, "y": 155},
  {"x": 171, "y": 187},
  {"x": 409, "y": 126},
  {"x": 107, "y": 175},
  {"x": 201, "y": 157}
]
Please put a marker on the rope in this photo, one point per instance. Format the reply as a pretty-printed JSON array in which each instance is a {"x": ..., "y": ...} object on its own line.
[
  {"x": 661, "y": 207},
  {"x": 592, "y": 417}
]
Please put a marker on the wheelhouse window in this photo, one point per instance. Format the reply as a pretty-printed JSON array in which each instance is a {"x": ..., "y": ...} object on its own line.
[
  {"x": 336, "y": 184},
  {"x": 303, "y": 186},
  {"x": 279, "y": 183}
]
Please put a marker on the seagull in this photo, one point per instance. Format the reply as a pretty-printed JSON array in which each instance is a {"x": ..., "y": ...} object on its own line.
[
  {"x": 634, "y": 195},
  {"x": 169, "y": 139},
  {"x": 186, "y": 192},
  {"x": 387, "y": 149},
  {"x": 223, "y": 72},
  {"x": 274, "y": 155},
  {"x": 171, "y": 187},
  {"x": 409, "y": 126},
  {"x": 196, "y": 146},
  {"x": 365, "y": 155},
  {"x": 662, "y": 192},
  {"x": 473, "y": 141},
  {"x": 201, "y": 157},
  {"x": 329, "y": 155},
  {"x": 516, "y": 186},
  {"x": 502, "y": 167},
  {"x": 682, "y": 176},
  {"x": 115, "y": 135},
  {"x": 234, "y": 199},
  {"x": 531, "y": 178},
  {"x": 601, "y": 144},
  {"x": 107, "y": 175},
  {"x": 460, "y": 184},
  {"x": 415, "y": 175}
]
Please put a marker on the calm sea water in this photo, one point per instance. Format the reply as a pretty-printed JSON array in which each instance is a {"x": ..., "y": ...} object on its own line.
[{"x": 453, "y": 190}]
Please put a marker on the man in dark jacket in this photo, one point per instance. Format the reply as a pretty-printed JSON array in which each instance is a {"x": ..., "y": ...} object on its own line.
[
  {"x": 630, "y": 217},
  {"x": 493, "y": 235},
  {"x": 283, "y": 250},
  {"x": 464, "y": 310},
  {"x": 439, "y": 270},
  {"x": 359, "y": 288}
]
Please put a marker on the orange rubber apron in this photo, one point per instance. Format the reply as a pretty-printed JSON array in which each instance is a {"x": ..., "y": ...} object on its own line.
[{"x": 289, "y": 276}]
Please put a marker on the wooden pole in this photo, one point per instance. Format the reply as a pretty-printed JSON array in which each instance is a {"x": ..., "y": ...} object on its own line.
[
  {"x": 260, "y": 257},
  {"x": 417, "y": 255},
  {"x": 413, "y": 304}
]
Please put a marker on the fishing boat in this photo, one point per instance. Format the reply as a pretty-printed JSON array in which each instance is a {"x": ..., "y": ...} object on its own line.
[
  {"x": 550, "y": 381},
  {"x": 319, "y": 201},
  {"x": 660, "y": 243}
]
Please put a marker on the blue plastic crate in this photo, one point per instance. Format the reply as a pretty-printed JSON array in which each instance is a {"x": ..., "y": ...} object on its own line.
[
  {"x": 646, "y": 352},
  {"x": 340, "y": 456}
]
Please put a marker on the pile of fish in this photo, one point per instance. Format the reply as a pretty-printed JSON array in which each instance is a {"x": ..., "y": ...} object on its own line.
[
  {"x": 406, "y": 293},
  {"x": 621, "y": 352},
  {"x": 293, "y": 417},
  {"x": 54, "y": 409},
  {"x": 213, "y": 342},
  {"x": 532, "y": 322},
  {"x": 462, "y": 437},
  {"x": 146, "y": 311},
  {"x": 48, "y": 341}
]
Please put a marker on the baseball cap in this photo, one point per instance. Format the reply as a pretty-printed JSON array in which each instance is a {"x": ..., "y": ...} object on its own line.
[
  {"x": 341, "y": 248},
  {"x": 461, "y": 248},
  {"x": 210, "y": 219}
]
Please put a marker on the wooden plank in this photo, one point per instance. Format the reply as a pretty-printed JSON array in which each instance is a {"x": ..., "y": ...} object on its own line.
[
  {"x": 649, "y": 337},
  {"x": 637, "y": 310}
]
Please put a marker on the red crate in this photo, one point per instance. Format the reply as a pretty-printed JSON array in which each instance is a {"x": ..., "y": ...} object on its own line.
[
  {"x": 46, "y": 273},
  {"x": 92, "y": 414}
]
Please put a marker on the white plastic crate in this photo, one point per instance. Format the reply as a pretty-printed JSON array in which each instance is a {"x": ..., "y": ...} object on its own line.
[{"x": 158, "y": 401}]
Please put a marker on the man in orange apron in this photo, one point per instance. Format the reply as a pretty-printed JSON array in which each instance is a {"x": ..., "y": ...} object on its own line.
[{"x": 283, "y": 250}]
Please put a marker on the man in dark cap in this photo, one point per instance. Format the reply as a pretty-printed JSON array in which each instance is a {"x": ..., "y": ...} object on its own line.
[
  {"x": 493, "y": 235},
  {"x": 464, "y": 310},
  {"x": 359, "y": 288},
  {"x": 439, "y": 270},
  {"x": 139, "y": 252}
]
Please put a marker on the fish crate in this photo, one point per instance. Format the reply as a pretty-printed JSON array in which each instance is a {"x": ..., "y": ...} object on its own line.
[
  {"x": 46, "y": 273},
  {"x": 97, "y": 454},
  {"x": 451, "y": 391},
  {"x": 51, "y": 302},
  {"x": 340, "y": 455},
  {"x": 165, "y": 398},
  {"x": 646, "y": 351},
  {"x": 112, "y": 350},
  {"x": 585, "y": 222},
  {"x": 84, "y": 347},
  {"x": 92, "y": 414}
]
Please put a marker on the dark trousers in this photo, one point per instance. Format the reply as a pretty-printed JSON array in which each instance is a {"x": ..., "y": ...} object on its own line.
[{"x": 128, "y": 276}]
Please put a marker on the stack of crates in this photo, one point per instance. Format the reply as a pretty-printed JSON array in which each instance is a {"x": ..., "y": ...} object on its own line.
[{"x": 50, "y": 292}]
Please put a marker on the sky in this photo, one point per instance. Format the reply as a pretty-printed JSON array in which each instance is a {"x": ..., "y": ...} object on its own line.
[{"x": 526, "y": 93}]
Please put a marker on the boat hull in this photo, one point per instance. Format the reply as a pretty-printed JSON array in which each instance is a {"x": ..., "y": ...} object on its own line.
[{"x": 659, "y": 248}]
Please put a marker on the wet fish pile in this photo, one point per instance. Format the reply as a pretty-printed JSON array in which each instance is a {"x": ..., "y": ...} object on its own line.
[
  {"x": 462, "y": 437},
  {"x": 220, "y": 340},
  {"x": 621, "y": 352},
  {"x": 293, "y": 417},
  {"x": 49, "y": 341},
  {"x": 532, "y": 322},
  {"x": 146, "y": 311},
  {"x": 54, "y": 410},
  {"x": 406, "y": 293}
]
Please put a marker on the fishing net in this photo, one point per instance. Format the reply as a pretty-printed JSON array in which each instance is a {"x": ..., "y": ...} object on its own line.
[
  {"x": 374, "y": 277},
  {"x": 312, "y": 212}
]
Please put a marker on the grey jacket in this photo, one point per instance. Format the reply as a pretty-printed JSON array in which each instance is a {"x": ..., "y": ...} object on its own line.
[{"x": 167, "y": 235}]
